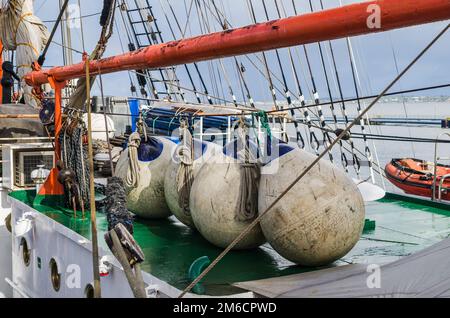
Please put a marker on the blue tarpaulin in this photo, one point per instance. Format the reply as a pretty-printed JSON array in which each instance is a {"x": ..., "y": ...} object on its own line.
[{"x": 134, "y": 110}]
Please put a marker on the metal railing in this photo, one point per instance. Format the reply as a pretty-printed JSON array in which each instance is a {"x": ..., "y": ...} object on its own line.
[
  {"x": 277, "y": 132},
  {"x": 435, "y": 177}
]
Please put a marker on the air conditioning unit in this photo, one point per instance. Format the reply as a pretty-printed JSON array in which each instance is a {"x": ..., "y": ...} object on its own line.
[
  {"x": 25, "y": 161},
  {"x": 19, "y": 160}
]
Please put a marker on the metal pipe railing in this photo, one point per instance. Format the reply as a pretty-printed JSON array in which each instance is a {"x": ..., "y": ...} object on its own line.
[{"x": 436, "y": 162}]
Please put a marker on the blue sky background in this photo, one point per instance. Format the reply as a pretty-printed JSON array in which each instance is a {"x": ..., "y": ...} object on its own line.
[{"x": 375, "y": 62}]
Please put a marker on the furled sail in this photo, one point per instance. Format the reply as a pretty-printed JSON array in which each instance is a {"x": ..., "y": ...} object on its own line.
[{"x": 22, "y": 31}]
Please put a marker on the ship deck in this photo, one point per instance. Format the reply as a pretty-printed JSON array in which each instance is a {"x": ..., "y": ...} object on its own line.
[{"x": 403, "y": 226}]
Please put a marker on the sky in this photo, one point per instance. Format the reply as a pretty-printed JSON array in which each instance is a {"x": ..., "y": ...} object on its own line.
[{"x": 375, "y": 53}]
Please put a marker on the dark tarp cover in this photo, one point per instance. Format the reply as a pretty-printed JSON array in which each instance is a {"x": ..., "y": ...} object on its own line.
[{"x": 19, "y": 128}]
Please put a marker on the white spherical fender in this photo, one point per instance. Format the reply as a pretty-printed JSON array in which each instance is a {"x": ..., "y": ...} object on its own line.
[
  {"x": 320, "y": 220},
  {"x": 214, "y": 203},
  {"x": 146, "y": 199},
  {"x": 99, "y": 131},
  {"x": 202, "y": 152}
]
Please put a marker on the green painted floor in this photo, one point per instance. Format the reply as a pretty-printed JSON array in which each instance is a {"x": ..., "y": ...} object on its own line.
[{"x": 402, "y": 227}]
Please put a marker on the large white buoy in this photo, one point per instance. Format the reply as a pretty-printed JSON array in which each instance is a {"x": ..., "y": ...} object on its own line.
[
  {"x": 175, "y": 181},
  {"x": 215, "y": 204},
  {"x": 99, "y": 129},
  {"x": 320, "y": 220},
  {"x": 144, "y": 181}
]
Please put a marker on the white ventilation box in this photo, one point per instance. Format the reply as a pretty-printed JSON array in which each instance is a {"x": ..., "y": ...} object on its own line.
[{"x": 19, "y": 160}]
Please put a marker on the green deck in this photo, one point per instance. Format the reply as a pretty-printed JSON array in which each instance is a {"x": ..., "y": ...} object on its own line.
[{"x": 402, "y": 227}]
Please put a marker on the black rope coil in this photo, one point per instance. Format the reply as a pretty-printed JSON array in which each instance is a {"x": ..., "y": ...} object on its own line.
[
  {"x": 116, "y": 205},
  {"x": 107, "y": 5},
  {"x": 75, "y": 157}
]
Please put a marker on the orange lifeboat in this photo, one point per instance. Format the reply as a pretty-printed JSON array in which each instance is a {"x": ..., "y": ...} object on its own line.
[{"x": 416, "y": 177}]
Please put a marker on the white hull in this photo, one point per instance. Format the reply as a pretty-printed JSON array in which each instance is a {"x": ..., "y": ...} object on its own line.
[
  {"x": 50, "y": 240},
  {"x": 5, "y": 247}
]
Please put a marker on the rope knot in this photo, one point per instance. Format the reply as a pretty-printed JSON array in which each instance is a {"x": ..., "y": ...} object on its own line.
[
  {"x": 250, "y": 175},
  {"x": 133, "y": 174},
  {"x": 134, "y": 140},
  {"x": 185, "y": 174}
]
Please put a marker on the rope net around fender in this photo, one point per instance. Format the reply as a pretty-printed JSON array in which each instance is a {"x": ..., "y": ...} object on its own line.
[
  {"x": 250, "y": 175},
  {"x": 132, "y": 178},
  {"x": 185, "y": 174}
]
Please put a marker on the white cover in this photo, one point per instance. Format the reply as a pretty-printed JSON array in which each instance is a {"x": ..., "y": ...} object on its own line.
[{"x": 425, "y": 274}]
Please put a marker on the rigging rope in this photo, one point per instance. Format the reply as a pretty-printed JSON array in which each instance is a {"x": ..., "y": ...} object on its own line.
[
  {"x": 200, "y": 76},
  {"x": 185, "y": 65},
  {"x": 348, "y": 100},
  {"x": 343, "y": 110},
  {"x": 300, "y": 140},
  {"x": 132, "y": 47},
  {"x": 185, "y": 174},
  {"x": 41, "y": 58},
  {"x": 332, "y": 108},
  {"x": 356, "y": 80},
  {"x": 299, "y": 137},
  {"x": 133, "y": 173},
  {"x": 224, "y": 71},
  {"x": 394, "y": 56},
  {"x": 268, "y": 74},
  {"x": 78, "y": 98},
  {"x": 250, "y": 174},
  {"x": 150, "y": 34},
  {"x": 239, "y": 66},
  {"x": 314, "y": 142}
]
